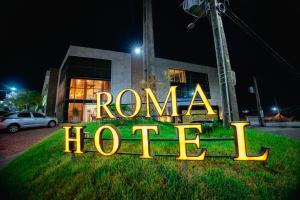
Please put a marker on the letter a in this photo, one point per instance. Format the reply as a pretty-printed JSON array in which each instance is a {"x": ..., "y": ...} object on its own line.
[{"x": 199, "y": 91}]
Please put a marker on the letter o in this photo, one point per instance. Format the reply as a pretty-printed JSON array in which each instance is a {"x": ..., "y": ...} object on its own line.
[
  {"x": 115, "y": 138},
  {"x": 138, "y": 103}
]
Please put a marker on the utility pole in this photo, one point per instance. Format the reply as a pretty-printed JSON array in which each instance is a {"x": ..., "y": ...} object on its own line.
[
  {"x": 226, "y": 78},
  {"x": 148, "y": 44},
  {"x": 260, "y": 111}
]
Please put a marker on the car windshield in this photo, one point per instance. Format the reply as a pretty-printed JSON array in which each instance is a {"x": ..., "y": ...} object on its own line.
[{"x": 8, "y": 114}]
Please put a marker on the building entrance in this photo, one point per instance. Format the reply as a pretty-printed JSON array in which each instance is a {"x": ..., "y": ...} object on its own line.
[{"x": 89, "y": 112}]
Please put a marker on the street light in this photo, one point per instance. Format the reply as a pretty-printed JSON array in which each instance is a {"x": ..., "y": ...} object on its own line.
[
  {"x": 13, "y": 89},
  {"x": 137, "y": 50},
  {"x": 274, "y": 109}
]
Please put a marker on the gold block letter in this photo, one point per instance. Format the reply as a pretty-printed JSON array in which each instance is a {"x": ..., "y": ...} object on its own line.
[
  {"x": 104, "y": 106},
  {"x": 115, "y": 138},
  {"x": 77, "y": 139},
  {"x": 240, "y": 144},
  {"x": 198, "y": 90},
  {"x": 145, "y": 138},
  {"x": 183, "y": 141},
  {"x": 150, "y": 95},
  {"x": 138, "y": 104}
]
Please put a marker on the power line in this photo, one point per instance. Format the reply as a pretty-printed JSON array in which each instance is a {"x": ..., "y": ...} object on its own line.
[{"x": 239, "y": 22}]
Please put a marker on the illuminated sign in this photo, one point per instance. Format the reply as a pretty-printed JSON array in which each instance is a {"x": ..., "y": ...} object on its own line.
[{"x": 74, "y": 142}]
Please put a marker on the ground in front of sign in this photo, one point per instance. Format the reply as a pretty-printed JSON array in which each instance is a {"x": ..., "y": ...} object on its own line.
[{"x": 46, "y": 172}]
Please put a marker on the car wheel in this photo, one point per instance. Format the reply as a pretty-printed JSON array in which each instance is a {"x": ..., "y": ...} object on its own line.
[
  {"x": 13, "y": 128},
  {"x": 52, "y": 124}
]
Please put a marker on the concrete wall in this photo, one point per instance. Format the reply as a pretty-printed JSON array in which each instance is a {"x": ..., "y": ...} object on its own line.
[
  {"x": 52, "y": 87},
  {"x": 162, "y": 65},
  {"x": 49, "y": 91},
  {"x": 124, "y": 74},
  {"x": 120, "y": 69},
  {"x": 46, "y": 83}
]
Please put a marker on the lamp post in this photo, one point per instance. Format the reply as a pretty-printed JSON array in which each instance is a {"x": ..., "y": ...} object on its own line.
[{"x": 260, "y": 111}]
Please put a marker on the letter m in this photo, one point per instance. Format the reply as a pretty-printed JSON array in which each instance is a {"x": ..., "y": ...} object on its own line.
[{"x": 160, "y": 110}]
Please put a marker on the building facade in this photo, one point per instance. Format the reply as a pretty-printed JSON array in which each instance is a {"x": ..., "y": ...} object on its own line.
[
  {"x": 49, "y": 92},
  {"x": 86, "y": 71}
]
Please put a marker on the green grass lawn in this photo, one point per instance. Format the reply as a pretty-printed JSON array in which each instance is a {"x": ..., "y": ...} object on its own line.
[{"x": 46, "y": 172}]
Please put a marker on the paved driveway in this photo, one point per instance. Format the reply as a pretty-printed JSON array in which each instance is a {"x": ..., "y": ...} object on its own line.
[
  {"x": 13, "y": 144},
  {"x": 291, "y": 132}
]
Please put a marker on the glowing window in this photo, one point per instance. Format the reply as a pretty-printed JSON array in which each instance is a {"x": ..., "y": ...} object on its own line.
[
  {"x": 72, "y": 85},
  {"x": 186, "y": 82},
  {"x": 80, "y": 83},
  {"x": 176, "y": 75},
  {"x": 79, "y": 93},
  {"x": 72, "y": 93},
  {"x": 90, "y": 84},
  {"x": 75, "y": 112},
  {"x": 98, "y": 84},
  {"x": 90, "y": 94},
  {"x": 87, "y": 89}
]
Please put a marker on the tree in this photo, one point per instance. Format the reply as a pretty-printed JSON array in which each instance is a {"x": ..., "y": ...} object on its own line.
[
  {"x": 8, "y": 102},
  {"x": 158, "y": 88},
  {"x": 27, "y": 100}
]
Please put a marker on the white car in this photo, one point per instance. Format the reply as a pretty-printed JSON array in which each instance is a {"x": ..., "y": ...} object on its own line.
[{"x": 13, "y": 122}]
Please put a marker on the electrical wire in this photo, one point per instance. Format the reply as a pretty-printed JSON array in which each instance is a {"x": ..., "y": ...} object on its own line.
[{"x": 240, "y": 23}]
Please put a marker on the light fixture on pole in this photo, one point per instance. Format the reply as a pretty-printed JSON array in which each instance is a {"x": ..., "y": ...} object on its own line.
[
  {"x": 13, "y": 89},
  {"x": 213, "y": 9},
  {"x": 137, "y": 50}
]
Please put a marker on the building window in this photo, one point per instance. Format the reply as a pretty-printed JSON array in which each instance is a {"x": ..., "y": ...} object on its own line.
[
  {"x": 186, "y": 82},
  {"x": 83, "y": 89},
  {"x": 79, "y": 93},
  {"x": 177, "y": 76},
  {"x": 75, "y": 112}
]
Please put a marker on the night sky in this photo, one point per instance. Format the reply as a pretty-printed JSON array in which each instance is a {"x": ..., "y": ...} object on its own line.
[{"x": 35, "y": 36}]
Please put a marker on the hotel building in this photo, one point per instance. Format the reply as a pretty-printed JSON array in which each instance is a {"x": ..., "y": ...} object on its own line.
[{"x": 85, "y": 71}]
